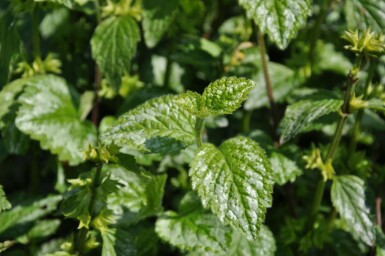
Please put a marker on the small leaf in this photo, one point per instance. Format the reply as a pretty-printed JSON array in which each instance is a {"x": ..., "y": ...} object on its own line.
[
  {"x": 86, "y": 103},
  {"x": 235, "y": 181},
  {"x": 159, "y": 125},
  {"x": 301, "y": 114},
  {"x": 225, "y": 95},
  {"x": 114, "y": 45},
  {"x": 284, "y": 169},
  {"x": 4, "y": 203},
  {"x": 280, "y": 19},
  {"x": 264, "y": 245},
  {"x": 47, "y": 114},
  {"x": 157, "y": 18},
  {"x": 348, "y": 197},
  {"x": 195, "y": 231},
  {"x": 283, "y": 80}
]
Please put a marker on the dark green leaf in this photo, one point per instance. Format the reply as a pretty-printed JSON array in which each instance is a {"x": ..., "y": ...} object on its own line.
[
  {"x": 348, "y": 197},
  {"x": 235, "y": 181},
  {"x": 117, "y": 242},
  {"x": 47, "y": 114},
  {"x": 114, "y": 45},
  {"x": 4, "y": 203},
  {"x": 365, "y": 14},
  {"x": 8, "y": 96}
]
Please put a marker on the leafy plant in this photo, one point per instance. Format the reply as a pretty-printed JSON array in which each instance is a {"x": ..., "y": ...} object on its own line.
[{"x": 143, "y": 127}]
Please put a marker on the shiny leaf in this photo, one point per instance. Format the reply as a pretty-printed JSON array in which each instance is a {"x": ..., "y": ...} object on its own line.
[
  {"x": 284, "y": 169},
  {"x": 235, "y": 181}
]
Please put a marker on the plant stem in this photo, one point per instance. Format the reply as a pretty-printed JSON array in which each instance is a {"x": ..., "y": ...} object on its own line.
[
  {"x": 36, "y": 33},
  {"x": 266, "y": 75},
  {"x": 199, "y": 126},
  {"x": 351, "y": 81},
  {"x": 378, "y": 212},
  {"x": 357, "y": 123},
  {"x": 246, "y": 121}
]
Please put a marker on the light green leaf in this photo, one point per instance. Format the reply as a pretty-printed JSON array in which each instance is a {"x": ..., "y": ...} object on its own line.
[
  {"x": 40, "y": 230},
  {"x": 4, "y": 203},
  {"x": 376, "y": 104},
  {"x": 8, "y": 96},
  {"x": 366, "y": 13},
  {"x": 301, "y": 114},
  {"x": 283, "y": 81},
  {"x": 284, "y": 169},
  {"x": 348, "y": 197},
  {"x": 86, "y": 103},
  {"x": 196, "y": 231},
  {"x": 117, "y": 242},
  {"x": 157, "y": 18},
  {"x": 263, "y": 245},
  {"x": 331, "y": 60},
  {"x": 30, "y": 212},
  {"x": 159, "y": 125},
  {"x": 235, "y": 181},
  {"x": 114, "y": 45},
  {"x": 47, "y": 114},
  {"x": 279, "y": 19},
  {"x": 225, "y": 95},
  {"x": 67, "y": 3},
  {"x": 53, "y": 21}
]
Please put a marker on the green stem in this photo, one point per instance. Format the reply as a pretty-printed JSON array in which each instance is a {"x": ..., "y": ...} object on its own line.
[
  {"x": 266, "y": 75},
  {"x": 199, "y": 126},
  {"x": 352, "y": 79},
  {"x": 246, "y": 121},
  {"x": 357, "y": 123},
  {"x": 97, "y": 11},
  {"x": 36, "y": 33},
  {"x": 168, "y": 71},
  {"x": 81, "y": 240}
]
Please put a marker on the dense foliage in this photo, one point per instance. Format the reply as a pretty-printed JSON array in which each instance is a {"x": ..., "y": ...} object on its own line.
[{"x": 192, "y": 127}]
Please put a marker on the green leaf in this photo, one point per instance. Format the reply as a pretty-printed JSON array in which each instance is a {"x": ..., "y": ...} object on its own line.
[
  {"x": 114, "y": 45},
  {"x": 225, "y": 95},
  {"x": 4, "y": 203},
  {"x": 284, "y": 169},
  {"x": 157, "y": 18},
  {"x": 365, "y": 14},
  {"x": 263, "y": 245},
  {"x": 8, "y": 96},
  {"x": 117, "y": 242},
  {"x": 159, "y": 125},
  {"x": 71, "y": 4},
  {"x": 47, "y": 114},
  {"x": 86, "y": 104},
  {"x": 196, "y": 231},
  {"x": 26, "y": 213},
  {"x": 235, "y": 181},
  {"x": 301, "y": 114},
  {"x": 283, "y": 80},
  {"x": 348, "y": 197},
  {"x": 376, "y": 104},
  {"x": 40, "y": 230},
  {"x": 279, "y": 19}
]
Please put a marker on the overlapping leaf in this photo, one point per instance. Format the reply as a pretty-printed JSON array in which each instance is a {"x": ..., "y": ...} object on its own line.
[
  {"x": 159, "y": 125},
  {"x": 284, "y": 169},
  {"x": 8, "y": 96},
  {"x": 235, "y": 181},
  {"x": 280, "y": 19},
  {"x": 157, "y": 18},
  {"x": 117, "y": 242},
  {"x": 114, "y": 45},
  {"x": 301, "y": 114},
  {"x": 47, "y": 114},
  {"x": 4, "y": 203},
  {"x": 348, "y": 197},
  {"x": 366, "y": 13}
]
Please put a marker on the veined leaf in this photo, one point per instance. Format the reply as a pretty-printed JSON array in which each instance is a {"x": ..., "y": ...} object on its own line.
[
  {"x": 370, "y": 13},
  {"x": 157, "y": 18},
  {"x": 4, "y": 203},
  {"x": 283, "y": 80},
  {"x": 8, "y": 96},
  {"x": 47, "y": 114},
  {"x": 117, "y": 242},
  {"x": 299, "y": 115},
  {"x": 280, "y": 19},
  {"x": 197, "y": 231},
  {"x": 263, "y": 245},
  {"x": 159, "y": 125},
  {"x": 348, "y": 197},
  {"x": 114, "y": 45},
  {"x": 284, "y": 169},
  {"x": 235, "y": 181},
  {"x": 225, "y": 95}
]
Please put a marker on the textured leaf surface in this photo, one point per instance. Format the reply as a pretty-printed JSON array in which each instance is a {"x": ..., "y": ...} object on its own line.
[
  {"x": 196, "y": 231},
  {"x": 114, "y": 45},
  {"x": 235, "y": 181},
  {"x": 263, "y": 245},
  {"x": 279, "y": 19},
  {"x": 4, "y": 203},
  {"x": 47, "y": 114},
  {"x": 284, "y": 169},
  {"x": 283, "y": 81},
  {"x": 8, "y": 97},
  {"x": 225, "y": 95},
  {"x": 117, "y": 242},
  {"x": 158, "y": 126},
  {"x": 299, "y": 115},
  {"x": 348, "y": 197},
  {"x": 366, "y": 13},
  {"x": 157, "y": 18}
]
